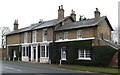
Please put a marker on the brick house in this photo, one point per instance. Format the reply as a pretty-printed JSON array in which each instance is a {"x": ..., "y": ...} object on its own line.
[{"x": 38, "y": 42}]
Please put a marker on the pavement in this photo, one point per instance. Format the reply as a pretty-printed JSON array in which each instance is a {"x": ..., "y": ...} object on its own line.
[{"x": 31, "y": 68}]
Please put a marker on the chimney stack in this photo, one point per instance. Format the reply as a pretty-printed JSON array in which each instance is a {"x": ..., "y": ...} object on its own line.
[
  {"x": 60, "y": 13},
  {"x": 73, "y": 15},
  {"x": 16, "y": 24},
  {"x": 97, "y": 14}
]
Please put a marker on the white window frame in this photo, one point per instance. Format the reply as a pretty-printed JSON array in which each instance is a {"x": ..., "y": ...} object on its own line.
[
  {"x": 79, "y": 34},
  {"x": 45, "y": 51},
  {"x": 63, "y": 53},
  {"x": 14, "y": 52},
  {"x": 84, "y": 55},
  {"x": 45, "y": 37},
  {"x": 34, "y": 36},
  {"x": 25, "y": 51},
  {"x": 65, "y": 35},
  {"x": 59, "y": 36},
  {"x": 26, "y": 37}
]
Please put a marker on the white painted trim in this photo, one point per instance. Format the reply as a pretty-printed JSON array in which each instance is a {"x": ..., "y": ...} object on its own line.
[
  {"x": 63, "y": 59},
  {"x": 24, "y": 45},
  {"x": 27, "y": 44},
  {"x": 84, "y": 58},
  {"x": 67, "y": 40},
  {"x": 13, "y": 44},
  {"x": 25, "y": 58}
]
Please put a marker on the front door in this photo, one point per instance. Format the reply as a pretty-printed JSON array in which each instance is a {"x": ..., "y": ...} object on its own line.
[
  {"x": 34, "y": 51},
  {"x": 63, "y": 53}
]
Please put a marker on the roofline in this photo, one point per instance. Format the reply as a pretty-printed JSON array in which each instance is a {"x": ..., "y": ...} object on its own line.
[
  {"x": 109, "y": 23},
  {"x": 76, "y": 28},
  {"x": 39, "y": 28}
]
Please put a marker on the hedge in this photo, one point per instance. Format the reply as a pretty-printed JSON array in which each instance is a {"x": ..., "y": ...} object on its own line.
[
  {"x": 11, "y": 49},
  {"x": 100, "y": 55},
  {"x": 72, "y": 49}
]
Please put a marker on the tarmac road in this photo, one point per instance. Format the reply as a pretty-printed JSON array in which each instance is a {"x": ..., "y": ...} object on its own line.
[{"x": 22, "y": 68}]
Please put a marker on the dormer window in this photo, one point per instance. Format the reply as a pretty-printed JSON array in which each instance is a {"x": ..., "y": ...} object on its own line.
[
  {"x": 79, "y": 34},
  {"x": 26, "y": 37}
]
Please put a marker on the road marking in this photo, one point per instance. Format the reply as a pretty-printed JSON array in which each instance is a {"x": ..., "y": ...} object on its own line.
[{"x": 12, "y": 69}]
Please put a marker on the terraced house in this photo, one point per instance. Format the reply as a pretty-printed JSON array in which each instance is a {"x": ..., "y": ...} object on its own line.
[{"x": 58, "y": 39}]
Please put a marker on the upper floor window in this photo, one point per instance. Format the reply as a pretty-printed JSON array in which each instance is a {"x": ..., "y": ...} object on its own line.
[
  {"x": 26, "y": 37},
  {"x": 45, "y": 34},
  {"x": 79, "y": 35},
  {"x": 66, "y": 35},
  {"x": 84, "y": 54},
  {"x": 59, "y": 36},
  {"x": 34, "y": 36}
]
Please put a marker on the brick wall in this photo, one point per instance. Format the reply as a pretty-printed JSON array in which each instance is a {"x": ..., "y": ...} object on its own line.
[
  {"x": 13, "y": 39},
  {"x": 114, "y": 60},
  {"x": 3, "y": 53}
]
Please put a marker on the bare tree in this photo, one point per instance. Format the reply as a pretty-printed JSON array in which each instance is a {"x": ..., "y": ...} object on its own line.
[
  {"x": 115, "y": 35},
  {"x": 4, "y": 31}
]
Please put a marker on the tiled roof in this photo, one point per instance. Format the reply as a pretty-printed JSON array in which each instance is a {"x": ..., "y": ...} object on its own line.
[
  {"x": 47, "y": 24},
  {"x": 74, "y": 25},
  {"x": 44, "y": 24},
  {"x": 83, "y": 24},
  {"x": 23, "y": 29}
]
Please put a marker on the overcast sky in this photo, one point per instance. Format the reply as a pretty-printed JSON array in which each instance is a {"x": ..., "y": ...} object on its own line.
[{"x": 30, "y": 11}]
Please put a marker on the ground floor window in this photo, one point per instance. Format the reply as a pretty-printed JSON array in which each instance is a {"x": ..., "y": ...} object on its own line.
[
  {"x": 44, "y": 51},
  {"x": 25, "y": 51},
  {"x": 63, "y": 53},
  {"x": 84, "y": 54}
]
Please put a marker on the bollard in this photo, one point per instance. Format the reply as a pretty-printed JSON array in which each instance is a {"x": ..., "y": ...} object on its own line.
[
  {"x": 18, "y": 59},
  {"x": 13, "y": 58},
  {"x": 60, "y": 62},
  {"x": 49, "y": 61},
  {"x": 9, "y": 58}
]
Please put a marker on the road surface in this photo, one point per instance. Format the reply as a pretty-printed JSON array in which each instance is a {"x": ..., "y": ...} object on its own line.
[{"x": 23, "y": 68}]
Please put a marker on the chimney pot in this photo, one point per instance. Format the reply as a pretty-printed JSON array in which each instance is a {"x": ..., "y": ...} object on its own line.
[
  {"x": 61, "y": 6},
  {"x": 73, "y": 15},
  {"x": 97, "y": 14},
  {"x": 96, "y": 9},
  {"x": 16, "y": 24}
]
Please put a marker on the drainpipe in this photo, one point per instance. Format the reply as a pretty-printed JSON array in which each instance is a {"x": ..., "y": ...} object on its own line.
[{"x": 53, "y": 38}]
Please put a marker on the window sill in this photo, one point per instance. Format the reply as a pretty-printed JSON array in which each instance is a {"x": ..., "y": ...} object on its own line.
[
  {"x": 63, "y": 59},
  {"x": 44, "y": 57},
  {"x": 84, "y": 59}
]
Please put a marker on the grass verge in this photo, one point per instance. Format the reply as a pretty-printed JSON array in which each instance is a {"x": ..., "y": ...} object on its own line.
[{"x": 89, "y": 68}]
